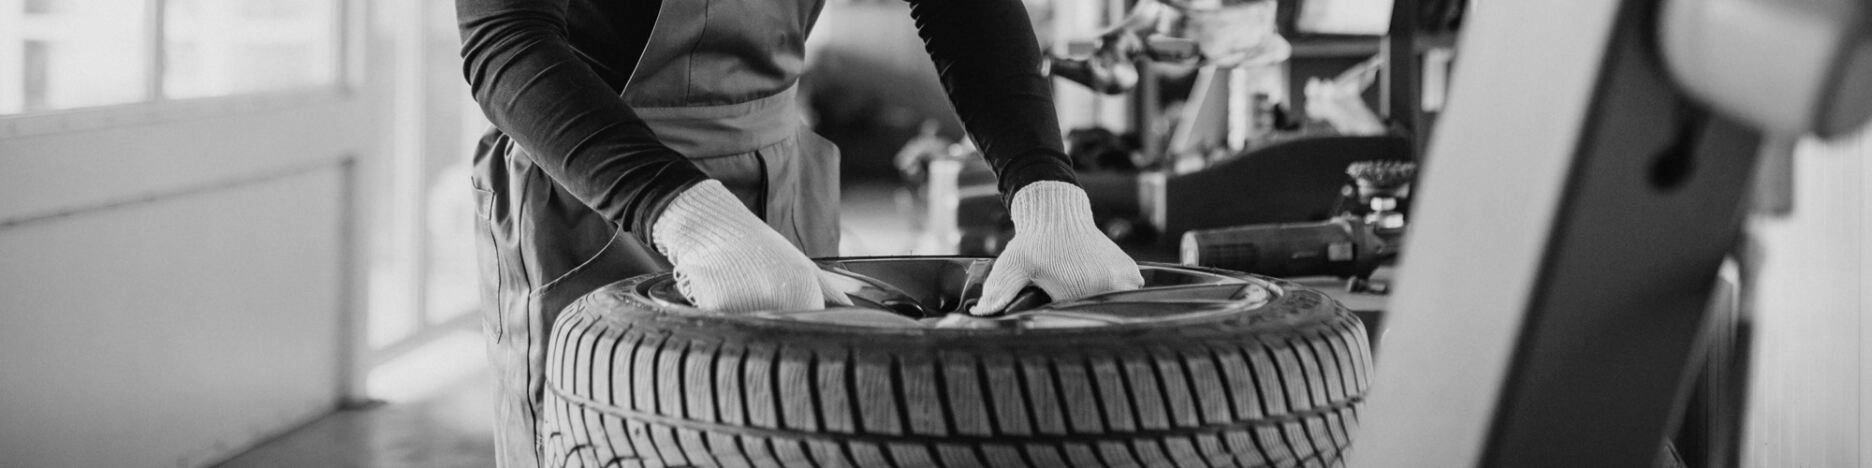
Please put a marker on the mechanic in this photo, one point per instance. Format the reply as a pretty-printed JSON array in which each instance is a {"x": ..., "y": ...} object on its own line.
[{"x": 621, "y": 125}]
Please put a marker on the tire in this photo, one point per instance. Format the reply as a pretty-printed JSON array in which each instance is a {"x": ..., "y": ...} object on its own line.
[{"x": 632, "y": 381}]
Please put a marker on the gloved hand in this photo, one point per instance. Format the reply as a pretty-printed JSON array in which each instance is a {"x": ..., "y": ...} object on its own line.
[
  {"x": 1056, "y": 247},
  {"x": 728, "y": 260}
]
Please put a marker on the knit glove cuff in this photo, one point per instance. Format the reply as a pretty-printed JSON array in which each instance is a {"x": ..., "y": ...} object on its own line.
[
  {"x": 726, "y": 259},
  {"x": 1049, "y": 206},
  {"x": 1057, "y": 247}
]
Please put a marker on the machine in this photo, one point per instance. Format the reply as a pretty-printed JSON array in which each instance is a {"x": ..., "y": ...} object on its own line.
[
  {"x": 1579, "y": 202},
  {"x": 1351, "y": 245}
]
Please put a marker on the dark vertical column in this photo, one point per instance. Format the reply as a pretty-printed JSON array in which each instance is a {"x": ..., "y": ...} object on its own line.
[
  {"x": 1146, "y": 113},
  {"x": 1653, "y": 204},
  {"x": 1402, "y": 80}
]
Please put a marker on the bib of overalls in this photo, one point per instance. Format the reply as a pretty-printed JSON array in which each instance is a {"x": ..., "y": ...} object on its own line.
[
  {"x": 718, "y": 76},
  {"x": 716, "y": 83}
]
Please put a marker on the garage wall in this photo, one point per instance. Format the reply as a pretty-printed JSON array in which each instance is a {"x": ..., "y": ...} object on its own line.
[
  {"x": 1809, "y": 405},
  {"x": 176, "y": 280}
]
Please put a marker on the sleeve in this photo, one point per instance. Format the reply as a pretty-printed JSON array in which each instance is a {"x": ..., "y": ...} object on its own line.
[
  {"x": 534, "y": 87},
  {"x": 990, "y": 63}
]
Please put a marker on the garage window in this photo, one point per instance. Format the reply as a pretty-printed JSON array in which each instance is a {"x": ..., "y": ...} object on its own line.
[{"x": 71, "y": 54}]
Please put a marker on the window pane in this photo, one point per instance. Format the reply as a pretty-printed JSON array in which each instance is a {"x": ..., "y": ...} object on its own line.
[
  {"x": 222, "y": 47},
  {"x": 61, "y": 54}
]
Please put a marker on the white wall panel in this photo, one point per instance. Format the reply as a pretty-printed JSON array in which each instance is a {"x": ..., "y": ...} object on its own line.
[
  {"x": 1808, "y": 403},
  {"x": 61, "y": 171},
  {"x": 173, "y": 332}
]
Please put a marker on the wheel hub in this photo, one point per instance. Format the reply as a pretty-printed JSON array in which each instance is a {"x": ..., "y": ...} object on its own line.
[{"x": 936, "y": 292}]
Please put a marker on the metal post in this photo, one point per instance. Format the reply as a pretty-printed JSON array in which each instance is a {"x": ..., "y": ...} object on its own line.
[
  {"x": 1146, "y": 106},
  {"x": 1402, "y": 87},
  {"x": 157, "y": 65}
]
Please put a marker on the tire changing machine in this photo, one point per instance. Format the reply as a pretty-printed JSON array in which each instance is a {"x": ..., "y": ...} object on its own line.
[{"x": 1590, "y": 171}]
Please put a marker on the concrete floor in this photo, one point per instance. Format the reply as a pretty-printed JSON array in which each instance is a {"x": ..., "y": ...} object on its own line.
[
  {"x": 452, "y": 428},
  {"x": 451, "y": 423}
]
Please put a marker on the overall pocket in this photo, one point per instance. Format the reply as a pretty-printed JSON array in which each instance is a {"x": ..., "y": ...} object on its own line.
[{"x": 488, "y": 256}]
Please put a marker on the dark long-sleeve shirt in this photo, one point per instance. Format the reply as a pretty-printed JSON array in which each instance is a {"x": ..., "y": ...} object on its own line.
[{"x": 548, "y": 73}]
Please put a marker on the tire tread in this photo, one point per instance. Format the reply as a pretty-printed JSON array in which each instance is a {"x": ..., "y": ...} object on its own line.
[{"x": 1273, "y": 398}]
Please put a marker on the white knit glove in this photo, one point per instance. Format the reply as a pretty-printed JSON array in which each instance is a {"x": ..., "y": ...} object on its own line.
[
  {"x": 728, "y": 260},
  {"x": 1056, "y": 247}
]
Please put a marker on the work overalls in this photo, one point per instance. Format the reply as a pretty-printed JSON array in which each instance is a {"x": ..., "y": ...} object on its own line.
[{"x": 717, "y": 84}]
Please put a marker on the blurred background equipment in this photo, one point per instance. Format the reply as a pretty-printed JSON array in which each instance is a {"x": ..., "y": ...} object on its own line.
[
  {"x": 1337, "y": 101},
  {"x": 1344, "y": 247},
  {"x": 1205, "y": 143},
  {"x": 1351, "y": 245}
]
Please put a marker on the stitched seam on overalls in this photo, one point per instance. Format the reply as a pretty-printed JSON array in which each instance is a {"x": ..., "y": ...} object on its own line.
[
  {"x": 533, "y": 403},
  {"x": 760, "y": 201},
  {"x": 802, "y": 140},
  {"x": 541, "y": 289},
  {"x": 500, "y": 273},
  {"x": 689, "y": 58},
  {"x": 520, "y": 212}
]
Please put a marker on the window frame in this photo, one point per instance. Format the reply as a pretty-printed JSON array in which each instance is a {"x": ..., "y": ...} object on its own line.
[{"x": 157, "y": 107}]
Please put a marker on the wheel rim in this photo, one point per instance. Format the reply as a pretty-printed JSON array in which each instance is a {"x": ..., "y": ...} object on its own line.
[{"x": 936, "y": 292}]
